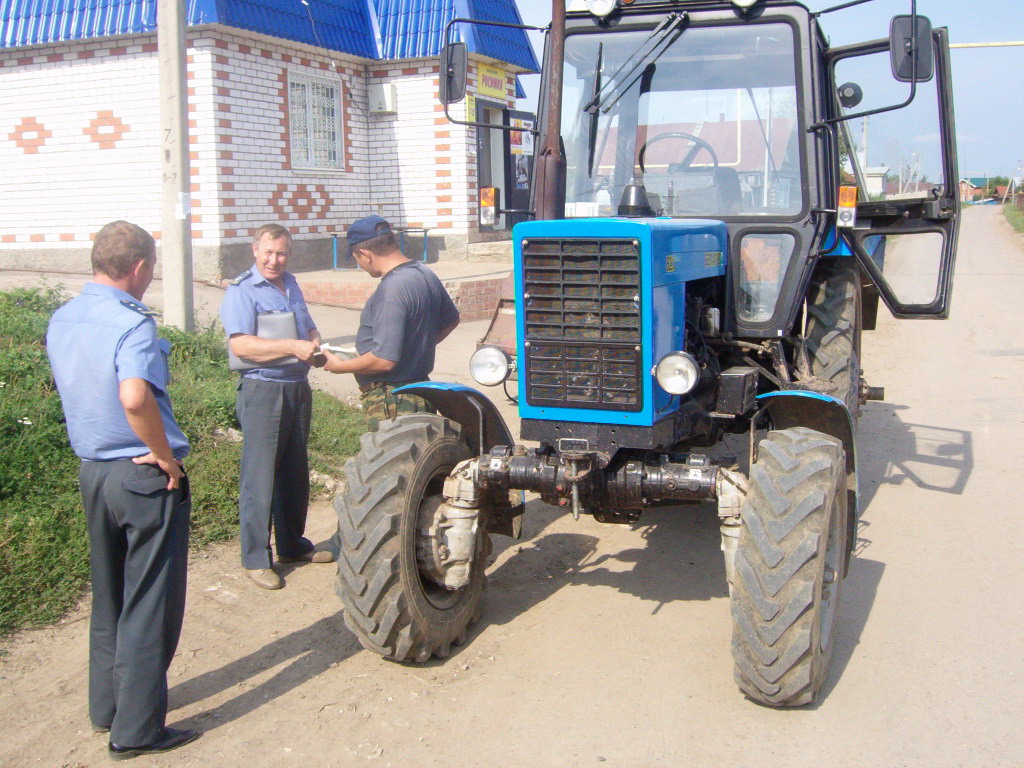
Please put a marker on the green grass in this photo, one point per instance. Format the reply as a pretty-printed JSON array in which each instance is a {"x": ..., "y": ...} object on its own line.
[
  {"x": 1015, "y": 216},
  {"x": 44, "y": 558}
]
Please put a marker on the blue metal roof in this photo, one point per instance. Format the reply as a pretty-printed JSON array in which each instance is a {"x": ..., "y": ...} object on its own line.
[
  {"x": 413, "y": 28},
  {"x": 501, "y": 43},
  {"x": 339, "y": 25},
  {"x": 28, "y": 22},
  {"x": 371, "y": 29}
]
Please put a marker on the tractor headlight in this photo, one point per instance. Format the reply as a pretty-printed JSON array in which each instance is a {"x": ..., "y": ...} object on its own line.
[
  {"x": 677, "y": 373},
  {"x": 490, "y": 366},
  {"x": 601, "y": 7}
]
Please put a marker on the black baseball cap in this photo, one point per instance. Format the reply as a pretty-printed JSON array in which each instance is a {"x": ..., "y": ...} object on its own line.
[{"x": 366, "y": 229}]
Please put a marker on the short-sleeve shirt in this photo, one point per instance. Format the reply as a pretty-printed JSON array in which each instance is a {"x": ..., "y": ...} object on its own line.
[
  {"x": 94, "y": 342},
  {"x": 401, "y": 321},
  {"x": 249, "y": 295}
]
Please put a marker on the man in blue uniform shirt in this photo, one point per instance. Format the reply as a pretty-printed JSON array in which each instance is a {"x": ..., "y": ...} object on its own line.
[
  {"x": 111, "y": 373},
  {"x": 274, "y": 406}
]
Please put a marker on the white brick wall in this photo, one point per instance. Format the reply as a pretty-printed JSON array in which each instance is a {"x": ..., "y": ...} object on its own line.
[
  {"x": 79, "y": 139},
  {"x": 74, "y": 181}
]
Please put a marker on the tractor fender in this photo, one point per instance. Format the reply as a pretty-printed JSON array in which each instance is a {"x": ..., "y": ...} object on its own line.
[
  {"x": 484, "y": 429},
  {"x": 800, "y": 408},
  {"x": 481, "y": 422}
]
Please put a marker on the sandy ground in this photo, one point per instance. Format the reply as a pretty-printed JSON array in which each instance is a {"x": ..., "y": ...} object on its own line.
[{"x": 606, "y": 645}]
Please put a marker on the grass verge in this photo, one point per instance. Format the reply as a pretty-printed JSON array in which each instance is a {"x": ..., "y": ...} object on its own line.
[
  {"x": 44, "y": 555},
  {"x": 1015, "y": 216}
]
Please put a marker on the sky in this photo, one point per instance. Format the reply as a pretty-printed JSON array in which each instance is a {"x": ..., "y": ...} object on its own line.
[{"x": 988, "y": 83}]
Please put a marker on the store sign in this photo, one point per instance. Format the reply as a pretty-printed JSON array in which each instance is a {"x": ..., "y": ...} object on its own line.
[{"x": 491, "y": 82}]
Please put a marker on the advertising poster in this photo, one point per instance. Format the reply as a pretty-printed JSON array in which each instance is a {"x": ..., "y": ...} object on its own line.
[{"x": 521, "y": 142}]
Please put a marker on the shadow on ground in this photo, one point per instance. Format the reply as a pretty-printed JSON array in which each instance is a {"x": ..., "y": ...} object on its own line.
[
  {"x": 892, "y": 452},
  {"x": 306, "y": 653}
]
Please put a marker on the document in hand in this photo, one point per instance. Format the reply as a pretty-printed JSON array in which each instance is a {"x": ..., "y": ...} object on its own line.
[{"x": 274, "y": 325}]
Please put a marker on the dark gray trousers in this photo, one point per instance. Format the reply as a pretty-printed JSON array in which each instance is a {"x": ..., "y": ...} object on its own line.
[
  {"x": 274, "y": 480},
  {"x": 138, "y": 559}
]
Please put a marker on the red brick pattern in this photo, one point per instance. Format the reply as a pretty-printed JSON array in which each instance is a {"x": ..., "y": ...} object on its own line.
[
  {"x": 286, "y": 106},
  {"x": 29, "y": 135},
  {"x": 105, "y": 129},
  {"x": 304, "y": 201},
  {"x": 476, "y": 299},
  {"x": 338, "y": 294}
]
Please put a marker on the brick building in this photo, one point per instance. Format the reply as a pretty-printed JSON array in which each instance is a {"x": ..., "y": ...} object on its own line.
[{"x": 309, "y": 115}]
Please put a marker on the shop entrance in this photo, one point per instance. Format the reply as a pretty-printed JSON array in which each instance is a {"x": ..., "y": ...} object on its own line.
[{"x": 505, "y": 160}]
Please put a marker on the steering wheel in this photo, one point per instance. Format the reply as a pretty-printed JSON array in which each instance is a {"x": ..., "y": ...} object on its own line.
[{"x": 698, "y": 145}]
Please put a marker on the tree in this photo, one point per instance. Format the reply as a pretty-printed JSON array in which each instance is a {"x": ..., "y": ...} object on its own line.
[{"x": 996, "y": 181}]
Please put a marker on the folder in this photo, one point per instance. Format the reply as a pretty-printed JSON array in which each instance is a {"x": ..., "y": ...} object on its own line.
[{"x": 273, "y": 325}]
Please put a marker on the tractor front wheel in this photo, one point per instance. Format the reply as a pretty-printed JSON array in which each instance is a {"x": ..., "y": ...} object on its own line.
[
  {"x": 395, "y": 604},
  {"x": 789, "y": 567}
]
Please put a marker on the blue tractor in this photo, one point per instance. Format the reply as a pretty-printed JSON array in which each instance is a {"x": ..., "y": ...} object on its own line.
[{"x": 708, "y": 242}]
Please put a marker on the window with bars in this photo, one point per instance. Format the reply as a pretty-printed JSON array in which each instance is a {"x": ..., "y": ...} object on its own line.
[{"x": 315, "y": 122}]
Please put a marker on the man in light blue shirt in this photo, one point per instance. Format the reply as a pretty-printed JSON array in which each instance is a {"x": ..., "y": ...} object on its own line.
[
  {"x": 274, "y": 406},
  {"x": 112, "y": 375}
]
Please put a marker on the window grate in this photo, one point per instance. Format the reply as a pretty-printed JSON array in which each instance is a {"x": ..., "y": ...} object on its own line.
[{"x": 315, "y": 124}]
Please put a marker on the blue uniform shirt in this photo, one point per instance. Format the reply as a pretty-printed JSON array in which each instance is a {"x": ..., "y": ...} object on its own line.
[
  {"x": 251, "y": 294},
  {"x": 95, "y": 341}
]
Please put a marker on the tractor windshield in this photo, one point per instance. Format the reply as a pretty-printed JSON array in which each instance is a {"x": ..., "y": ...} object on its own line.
[{"x": 708, "y": 121}]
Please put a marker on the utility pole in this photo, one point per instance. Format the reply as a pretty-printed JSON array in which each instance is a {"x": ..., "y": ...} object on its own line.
[{"x": 175, "y": 193}]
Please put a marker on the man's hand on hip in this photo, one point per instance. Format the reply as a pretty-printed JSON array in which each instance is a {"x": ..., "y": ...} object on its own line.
[{"x": 170, "y": 468}]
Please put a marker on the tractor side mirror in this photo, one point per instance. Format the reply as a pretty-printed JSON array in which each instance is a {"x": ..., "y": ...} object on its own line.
[
  {"x": 910, "y": 49},
  {"x": 452, "y": 81}
]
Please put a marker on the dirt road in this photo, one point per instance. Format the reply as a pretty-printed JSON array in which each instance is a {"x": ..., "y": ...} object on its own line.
[{"x": 605, "y": 645}]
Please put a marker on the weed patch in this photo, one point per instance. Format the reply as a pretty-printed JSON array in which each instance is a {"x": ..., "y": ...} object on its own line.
[
  {"x": 1015, "y": 216},
  {"x": 44, "y": 557}
]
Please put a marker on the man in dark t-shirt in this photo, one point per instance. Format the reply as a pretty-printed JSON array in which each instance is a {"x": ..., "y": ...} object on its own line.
[{"x": 408, "y": 315}]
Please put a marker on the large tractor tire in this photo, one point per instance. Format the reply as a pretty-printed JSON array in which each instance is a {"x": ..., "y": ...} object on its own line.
[
  {"x": 833, "y": 333},
  {"x": 789, "y": 567},
  {"x": 393, "y": 486}
]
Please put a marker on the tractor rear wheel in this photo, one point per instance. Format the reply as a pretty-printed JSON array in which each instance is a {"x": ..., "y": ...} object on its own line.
[
  {"x": 789, "y": 567},
  {"x": 832, "y": 338},
  {"x": 393, "y": 603}
]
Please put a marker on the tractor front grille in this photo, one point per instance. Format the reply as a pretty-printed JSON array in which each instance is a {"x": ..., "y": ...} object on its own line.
[{"x": 582, "y": 314}]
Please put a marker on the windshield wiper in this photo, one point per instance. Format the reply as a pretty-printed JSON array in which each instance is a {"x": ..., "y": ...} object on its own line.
[
  {"x": 593, "y": 114},
  {"x": 764, "y": 133},
  {"x": 646, "y": 53}
]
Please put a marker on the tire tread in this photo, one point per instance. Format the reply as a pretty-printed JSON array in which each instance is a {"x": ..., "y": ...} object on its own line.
[{"x": 785, "y": 516}]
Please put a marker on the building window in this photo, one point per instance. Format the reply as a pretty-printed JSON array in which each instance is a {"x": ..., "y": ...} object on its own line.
[{"x": 315, "y": 122}]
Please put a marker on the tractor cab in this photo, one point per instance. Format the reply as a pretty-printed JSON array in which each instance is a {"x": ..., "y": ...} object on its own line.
[{"x": 740, "y": 111}]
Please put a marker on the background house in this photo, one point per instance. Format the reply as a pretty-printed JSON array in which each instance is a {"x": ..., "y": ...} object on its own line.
[
  {"x": 311, "y": 115},
  {"x": 968, "y": 191}
]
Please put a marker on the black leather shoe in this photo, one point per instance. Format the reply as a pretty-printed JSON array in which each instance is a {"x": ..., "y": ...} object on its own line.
[{"x": 172, "y": 739}]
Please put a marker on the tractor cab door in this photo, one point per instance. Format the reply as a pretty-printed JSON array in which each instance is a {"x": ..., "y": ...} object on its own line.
[{"x": 897, "y": 145}]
